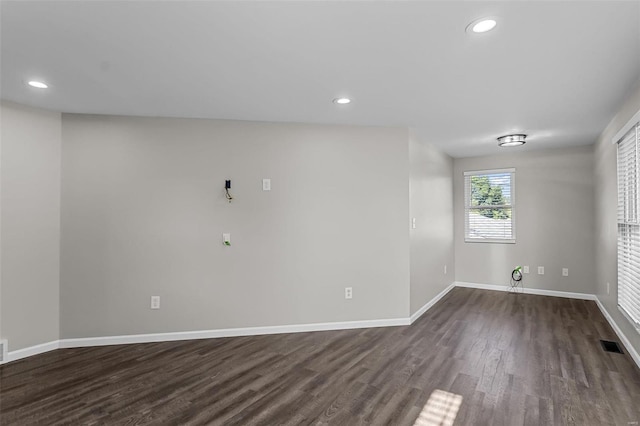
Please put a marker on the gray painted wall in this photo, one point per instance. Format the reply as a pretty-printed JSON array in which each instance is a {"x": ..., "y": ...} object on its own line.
[
  {"x": 30, "y": 222},
  {"x": 431, "y": 203},
  {"x": 606, "y": 216},
  {"x": 143, "y": 212},
  {"x": 555, "y": 223}
]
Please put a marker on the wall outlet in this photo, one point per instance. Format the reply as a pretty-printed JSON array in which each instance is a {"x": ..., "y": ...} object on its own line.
[
  {"x": 266, "y": 184},
  {"x": 155, "y": 302},
  {"x": 413, "y": 223},
  {"x": 4, "y": 351},
  {"x": 525, "y": 269},
  {"x": 540, "y": 270},
  {"x": 445, "y": 269},
  {"x": 226, "y": 239},
  {"x": 608, "y": 289},
  {"x": 565, "y": 272},
  {"x": 348, "y": 292}
]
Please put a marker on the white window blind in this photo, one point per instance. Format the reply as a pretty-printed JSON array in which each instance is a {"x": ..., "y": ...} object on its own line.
[
  {"x": 628, "y": 225},
  {"x": 489, "y": 206}
]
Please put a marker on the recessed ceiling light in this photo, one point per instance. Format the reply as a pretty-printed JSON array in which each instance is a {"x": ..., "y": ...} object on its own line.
[
  {"x": 342, "y": 101},
  {"x": 482, "y": 25},
  {"x": 38, "y": 84},
  {"x": 512, "y": 140}
]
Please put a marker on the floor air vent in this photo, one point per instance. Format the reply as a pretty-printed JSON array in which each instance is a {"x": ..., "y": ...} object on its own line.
[{"x": 611, "y": 346}]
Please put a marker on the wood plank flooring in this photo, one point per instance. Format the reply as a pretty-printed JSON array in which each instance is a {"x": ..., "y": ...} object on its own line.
[{"x": 514, "y": 359}]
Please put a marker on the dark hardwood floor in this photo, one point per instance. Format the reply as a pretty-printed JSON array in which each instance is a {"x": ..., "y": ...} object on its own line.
[{"x": 513, "y": 359}]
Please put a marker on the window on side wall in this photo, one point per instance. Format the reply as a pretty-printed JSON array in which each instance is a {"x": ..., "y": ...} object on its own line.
[
  {"x": 489, "y": 206},
  {"x": 629, "y": 224}
]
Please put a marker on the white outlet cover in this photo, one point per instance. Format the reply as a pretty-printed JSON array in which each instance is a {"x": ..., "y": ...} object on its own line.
[
  {"x": 155, "y": 302},
  {"x": 266, "y": 184},
  {"x": 565, "y": 272},
  {"x": 540, "y": 270},
  {"x": 4, "y": 351},
  {"x": 525, "y": 269},
  {"x": 348, "y": 293}
]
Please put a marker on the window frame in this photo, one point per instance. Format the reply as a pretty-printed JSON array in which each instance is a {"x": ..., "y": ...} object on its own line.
[
  {"x": 511, "y": 205},
  {"x": 625, "y": 225}
]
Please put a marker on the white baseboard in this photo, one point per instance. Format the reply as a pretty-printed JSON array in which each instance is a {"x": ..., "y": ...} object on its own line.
[
  {"x": 417, "y": 314},
  {"x": 228, "y": 332},
  {"x": 539, "y": 292},
  {"x": 300, "y": 328},
  {"x": 200, "y": 334},
  {"x": 627, "y": 344},
  {"x": 32, "y": 350}
]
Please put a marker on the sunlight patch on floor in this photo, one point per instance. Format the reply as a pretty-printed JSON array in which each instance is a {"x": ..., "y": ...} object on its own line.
[{"x": 440, "y": 410}]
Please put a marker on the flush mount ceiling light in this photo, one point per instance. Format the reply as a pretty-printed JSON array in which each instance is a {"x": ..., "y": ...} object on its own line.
[
  {"x": 342, "y": 101},
  {"x": 37, "y": 84},
  {"x": 512, "y": 140},
  {"x": 482, "y": 25}
]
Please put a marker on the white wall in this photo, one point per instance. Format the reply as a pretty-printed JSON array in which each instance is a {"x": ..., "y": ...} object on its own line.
[
  {"x": 30, "y": 222},
  {"x": 554, "y": 192},
  {"x": 606, "y": 215},
  {"x": 143, "y": 212},
  {"x": 431, "y": 203}
]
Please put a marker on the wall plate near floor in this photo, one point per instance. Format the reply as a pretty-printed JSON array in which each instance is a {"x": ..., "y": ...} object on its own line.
[
  {"x": 4, "y": 351},
  {"x": 155, "y": 302},
  {"x": 348, "y": 292}
]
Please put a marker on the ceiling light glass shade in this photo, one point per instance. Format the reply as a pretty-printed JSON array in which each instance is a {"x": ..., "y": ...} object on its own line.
[
  {"x": 37, "y": 84},
  {"x": 512, "y": 140},
  {"x": 342, "y": 101},
  {"x": 484, "y": 26}
]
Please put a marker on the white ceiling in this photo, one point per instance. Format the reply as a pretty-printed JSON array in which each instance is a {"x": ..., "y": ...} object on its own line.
[{"x": 554, "y": 70}]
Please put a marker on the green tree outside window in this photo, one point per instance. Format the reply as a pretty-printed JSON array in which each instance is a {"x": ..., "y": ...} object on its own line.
[{"x": 484, "y": 193}]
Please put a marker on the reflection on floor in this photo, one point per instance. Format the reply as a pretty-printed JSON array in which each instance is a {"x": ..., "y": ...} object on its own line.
[{"x": 440, "y": 410}]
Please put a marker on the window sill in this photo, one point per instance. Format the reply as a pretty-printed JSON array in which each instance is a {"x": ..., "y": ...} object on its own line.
[{"x": 486, "y": 240}]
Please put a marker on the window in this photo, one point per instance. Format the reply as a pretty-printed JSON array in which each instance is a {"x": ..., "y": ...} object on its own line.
[
  {"x": 489, "y": 206},
  {"x": 629, "y": 225}
]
